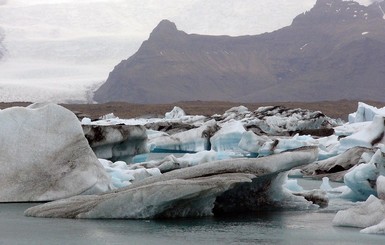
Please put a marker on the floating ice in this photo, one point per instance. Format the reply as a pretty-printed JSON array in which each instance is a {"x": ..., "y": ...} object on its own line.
[
  {"x": 365, "y": 113},
  {"x": 228, "y": 137},
  {"x": 116, "y": 142},
  {"x": 171, "y": 162},
  {"x": 368, "y": 137},
  {"x": 176, "y": 113},
  {"x": 333, "y": 166},
  {"x": 193, "y": 140},
  {"x": 201, "y": 183},
  {"x": 367, "y": 214},
  {"x": 45, "y": 156},
  {"x": 219, "y": 187},
  {"x": 361, "y": 180},
  {"x": 122, "y": 175},
  {"x": 325, "y": 186}
]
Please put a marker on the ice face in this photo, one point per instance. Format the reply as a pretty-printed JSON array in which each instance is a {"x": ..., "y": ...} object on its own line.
[
  {"x": 45, "y": 156},
  {"x": 368, "y": 137},
  {"x": 228, "y": 137},
  {"x": 117, "y": 142},
  {"x": 193, "y": 140},
  {"x": 365, "y": 113},
  {"x": 367, "y": 214},
  {"x": 122, "y": 175},
  {"x": 185, "y": 192},
  {"x": 176, "y": 113}
]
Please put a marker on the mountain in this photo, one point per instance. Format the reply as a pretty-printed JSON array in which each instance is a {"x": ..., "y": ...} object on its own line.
[
  {"x": 63, "y": 55},
  {"x": 334, "y": 51}
]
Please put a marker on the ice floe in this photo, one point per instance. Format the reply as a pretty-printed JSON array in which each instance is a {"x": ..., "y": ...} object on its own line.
[
  {"x": 221, "y": 186},
  {"x": 45, "y": 156},
  {"x": 220, "y": 164}
]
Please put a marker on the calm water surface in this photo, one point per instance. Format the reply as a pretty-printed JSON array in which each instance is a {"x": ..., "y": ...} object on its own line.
[{"x": 284, "y": 227}]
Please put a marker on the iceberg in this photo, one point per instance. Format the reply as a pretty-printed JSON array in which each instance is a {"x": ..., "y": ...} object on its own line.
[
  {"x": 123, "y": 175},
  {"x": 175, "y": 113},
  {"x": 228, "y": 137},
  {"x": 362, "y": 178},
  {"x": 116, "y": 142},
  {"x": 44, "y": 156},
  {"x": 262, "y": 145},
  {"x": 368, "y": 215},
  {"x": 170, "y": 162},
  {"x": 193, "y": 140},
  {"x": 195, "y": 191},
  {"x": 278, "y": 120},
  {"x": 336, "y": 167},
  {"x": 369, "y": 136},
  {"x": 365, "y": 113}
]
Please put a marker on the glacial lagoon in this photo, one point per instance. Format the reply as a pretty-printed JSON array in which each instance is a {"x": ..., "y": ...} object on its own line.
[{"x": 268, "y": 227}]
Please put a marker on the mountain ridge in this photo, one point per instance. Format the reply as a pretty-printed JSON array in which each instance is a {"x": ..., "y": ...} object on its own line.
[{"x": 334, "y": 51}]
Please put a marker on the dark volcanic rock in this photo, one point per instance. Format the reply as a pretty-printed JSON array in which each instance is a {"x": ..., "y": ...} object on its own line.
[{"x": 334, "y": 51}]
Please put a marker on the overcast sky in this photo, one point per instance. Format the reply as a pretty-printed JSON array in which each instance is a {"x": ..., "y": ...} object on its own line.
[{"x": 76, "y": 43}]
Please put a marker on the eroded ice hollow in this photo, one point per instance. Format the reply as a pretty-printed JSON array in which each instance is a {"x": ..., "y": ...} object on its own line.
[{"x": 226, "y": 186}]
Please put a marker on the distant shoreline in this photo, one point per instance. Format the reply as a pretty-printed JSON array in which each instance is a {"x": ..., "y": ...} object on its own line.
[{"x": 334, "y": 109}]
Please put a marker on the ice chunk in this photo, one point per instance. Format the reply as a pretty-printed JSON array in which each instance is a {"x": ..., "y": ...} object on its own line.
[
  {"x": 175, "y": 113},
  {"x": 365, "y": 113},
  {"x": 325, "y": 186},
  {"x": 375, "y": 229},
  {"x": 381, "y": 187},
  {"x": 263, "y": 145},
  {"x": 122, "y": 175},
  {"x": 193, "y": 140},
  {"x": 362, "y": 178},
  {"x": 369, "y": 136},
  {"x": 228, "y": 137},
  {"x": 292, "y": 185},
  {"x": 45, "y": 156},
  {"x": 368, "y": 213},
  {"x": 116, "y": 142},
  {"x": 194, "y": 191},
  {"x": 339, "y": 163},
  {"x": 251, "y": 142}
]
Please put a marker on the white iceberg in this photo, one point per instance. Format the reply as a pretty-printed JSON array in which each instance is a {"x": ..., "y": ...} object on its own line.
[
  {"x": 196, "y": 191},
  {"x": 370, "y": 136},
  {"x": 193, "y": 140},
  {"x": 45, "y": 156},
  {"x": 365, "y": 113},
  {"x": 228, "y": 137}
]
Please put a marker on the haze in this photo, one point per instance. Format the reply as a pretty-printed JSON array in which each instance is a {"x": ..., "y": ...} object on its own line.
[{"x": 60, "y": 50}]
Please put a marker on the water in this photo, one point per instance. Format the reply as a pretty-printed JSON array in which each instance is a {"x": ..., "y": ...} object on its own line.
[{"x": 279, "y": 227}]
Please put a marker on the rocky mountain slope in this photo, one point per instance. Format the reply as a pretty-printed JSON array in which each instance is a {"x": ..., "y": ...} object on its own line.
[{"x": 334, "y": 51}]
